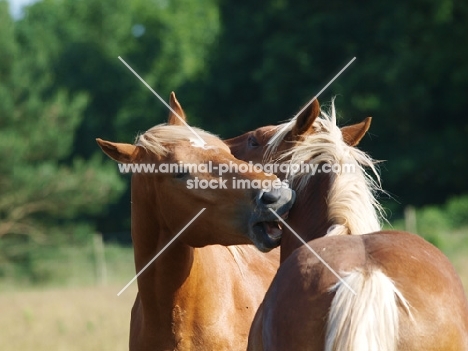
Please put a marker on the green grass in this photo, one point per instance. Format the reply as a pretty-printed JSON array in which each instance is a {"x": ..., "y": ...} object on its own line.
[
  {"x": 455, "y": 246},
  {"x": 48, "y": 267}
]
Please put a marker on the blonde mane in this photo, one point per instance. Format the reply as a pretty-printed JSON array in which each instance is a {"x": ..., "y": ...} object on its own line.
[
  {"x": 353, "y": 207},
  {"x": 159, "y": 137}
]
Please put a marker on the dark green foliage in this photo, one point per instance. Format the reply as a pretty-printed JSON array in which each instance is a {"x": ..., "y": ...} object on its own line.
[
  {"x": 44, "y": 188},
  {"x": 61, "y": 86},
  {"x": 411, "y": 75},
  {"x": 235, "y": 65}
]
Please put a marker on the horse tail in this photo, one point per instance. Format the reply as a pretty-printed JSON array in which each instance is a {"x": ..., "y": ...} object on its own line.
[{"x": 366, "y": 318}]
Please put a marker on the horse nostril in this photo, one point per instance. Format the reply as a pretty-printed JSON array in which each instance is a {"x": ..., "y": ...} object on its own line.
[{"x": 270, "y": 197}]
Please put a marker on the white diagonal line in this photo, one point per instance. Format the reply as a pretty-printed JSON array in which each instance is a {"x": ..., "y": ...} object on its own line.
[
  {"x": 313, "y": 251},
  {"x": 162, "y": 100},
  {"x": 162, "y": 250},
  {"x": 277, "y": 134}
]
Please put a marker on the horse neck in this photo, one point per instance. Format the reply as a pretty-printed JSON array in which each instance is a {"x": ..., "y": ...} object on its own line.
[
  {"x": 342, "y": 200},
  {"x": 309, "y": 215},
  {"x": 160, "y": 285}
]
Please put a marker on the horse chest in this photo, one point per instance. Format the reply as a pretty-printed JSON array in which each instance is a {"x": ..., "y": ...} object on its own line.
[{"x": 195, "y": 330}]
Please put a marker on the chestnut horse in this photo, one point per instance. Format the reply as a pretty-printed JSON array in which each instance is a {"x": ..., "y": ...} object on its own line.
[
  {"x": 406, "y": 294},
  {"x": 197, "y": 295}
]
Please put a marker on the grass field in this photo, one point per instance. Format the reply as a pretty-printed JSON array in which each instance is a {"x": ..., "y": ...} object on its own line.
[
  {"x": 92, "y": 318},
  {"x": 89, "y": 319}
]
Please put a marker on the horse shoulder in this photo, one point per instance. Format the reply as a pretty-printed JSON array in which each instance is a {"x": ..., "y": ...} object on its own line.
[{"x": 303, "y": 286}]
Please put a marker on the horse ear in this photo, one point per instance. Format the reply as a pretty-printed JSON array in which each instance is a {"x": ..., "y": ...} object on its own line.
[
  {"x": 305, "y": 120},
  {"x": 173, "y": 118},
  {"x": 353, "y": 134},
  {"x": 123, "y": 153}
]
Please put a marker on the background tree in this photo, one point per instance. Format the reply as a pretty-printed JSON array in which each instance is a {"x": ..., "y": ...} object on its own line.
[
  {"x": 45, "y": 191},
  {"x": 411, "y": 75},
  {"x": 235, "y": 66},
  {"x": 76, "y": 45}
]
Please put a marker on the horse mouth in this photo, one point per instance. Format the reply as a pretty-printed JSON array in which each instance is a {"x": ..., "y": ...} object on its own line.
[{"x": 270, "y": 232}]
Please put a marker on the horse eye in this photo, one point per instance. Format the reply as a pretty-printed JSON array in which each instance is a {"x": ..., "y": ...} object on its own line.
[
  {"x": 253, "y": 142},
  {"x": 181, "y": 175}
]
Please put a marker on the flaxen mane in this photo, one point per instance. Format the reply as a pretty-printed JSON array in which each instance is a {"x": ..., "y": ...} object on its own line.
[{"x": 353, "y": 207}]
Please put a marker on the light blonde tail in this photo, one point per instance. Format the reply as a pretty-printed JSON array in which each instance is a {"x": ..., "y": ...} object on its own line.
[{"x": 367, "y": 320}]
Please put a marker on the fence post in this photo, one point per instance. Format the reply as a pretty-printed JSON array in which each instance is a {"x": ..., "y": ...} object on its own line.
[
  {"x": 410, "y": 220},
  {"x": 100, "y": 259}
]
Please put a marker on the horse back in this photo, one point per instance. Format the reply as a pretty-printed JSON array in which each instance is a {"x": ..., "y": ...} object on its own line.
[{"x": 297, "y": 305}]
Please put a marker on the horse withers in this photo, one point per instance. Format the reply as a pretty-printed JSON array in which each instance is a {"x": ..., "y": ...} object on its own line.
[{"x": 202, "y": 292}]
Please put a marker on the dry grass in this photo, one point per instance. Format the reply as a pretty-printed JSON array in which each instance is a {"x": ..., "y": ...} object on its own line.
[{"x": 89, "y": 319}]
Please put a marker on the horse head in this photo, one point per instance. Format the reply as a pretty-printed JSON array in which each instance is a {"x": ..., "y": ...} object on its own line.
[
  {"x": 256, "y": 145},
  {"x": 178, "y": 170},
  {"x": 321, "y": 162}
]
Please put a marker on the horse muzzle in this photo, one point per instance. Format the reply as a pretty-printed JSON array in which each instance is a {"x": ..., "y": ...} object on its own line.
[{"x": 265, "y": 228}]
